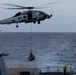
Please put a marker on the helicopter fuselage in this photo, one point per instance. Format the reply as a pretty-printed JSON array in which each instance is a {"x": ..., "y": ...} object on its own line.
[{"x": 30, "y": 16}]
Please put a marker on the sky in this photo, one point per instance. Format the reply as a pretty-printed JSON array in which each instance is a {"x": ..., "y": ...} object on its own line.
[{"x": 63, "y": 20}]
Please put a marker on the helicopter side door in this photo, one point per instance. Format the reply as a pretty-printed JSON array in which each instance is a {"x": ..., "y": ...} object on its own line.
[{"x": 30, "y": 16}]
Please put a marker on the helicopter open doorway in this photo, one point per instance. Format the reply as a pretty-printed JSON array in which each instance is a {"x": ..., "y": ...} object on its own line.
[{"x": 29, "y": 16}]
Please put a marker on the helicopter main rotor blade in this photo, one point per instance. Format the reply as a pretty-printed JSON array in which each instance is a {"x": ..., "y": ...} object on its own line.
[
  {"x": 13, "y": 8},
  {"x": 41, "y": 7},
  {"x": 23, "y": 7},
  {"x": 50, "y": 3},
  {"x": 29, "y": 8},
  {"x": 19, "y": 7},
  {"x": 15, "y": 5}
]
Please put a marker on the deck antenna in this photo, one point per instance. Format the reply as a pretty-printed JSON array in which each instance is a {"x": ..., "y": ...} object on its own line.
[{"x": 31, "y": 56}]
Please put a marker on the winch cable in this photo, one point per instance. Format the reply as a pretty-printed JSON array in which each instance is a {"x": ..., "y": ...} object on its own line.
[
  {"x": 31, "y": 56},
  {"x": 30, "y": 38}
]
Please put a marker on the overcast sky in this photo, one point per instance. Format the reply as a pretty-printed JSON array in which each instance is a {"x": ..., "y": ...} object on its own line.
[{"x": 63, "y": 20}]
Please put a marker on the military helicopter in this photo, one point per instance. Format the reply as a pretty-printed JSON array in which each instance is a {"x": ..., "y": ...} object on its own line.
[{"x": 28, "y": 16}]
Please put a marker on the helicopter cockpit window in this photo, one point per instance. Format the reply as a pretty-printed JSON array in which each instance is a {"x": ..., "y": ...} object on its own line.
[
  {"x": 40, "y": 13},
  {"x": 24, "y": 16},
  {"x": 19, "y": 13}
]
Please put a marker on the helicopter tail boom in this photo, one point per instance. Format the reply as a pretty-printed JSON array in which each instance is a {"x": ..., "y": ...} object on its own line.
[{"x": 6, "y": 21}]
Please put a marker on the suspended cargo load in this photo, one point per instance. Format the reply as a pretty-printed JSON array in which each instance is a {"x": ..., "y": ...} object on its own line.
[{"x": 31, "y": 57}]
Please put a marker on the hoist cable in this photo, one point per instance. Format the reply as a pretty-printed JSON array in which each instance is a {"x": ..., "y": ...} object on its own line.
[
  {"x": 31, "y": 56},
  {"x": 30, "y": 37}
]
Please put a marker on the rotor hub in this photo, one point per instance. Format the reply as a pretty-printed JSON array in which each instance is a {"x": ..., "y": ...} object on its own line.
[{"x": 29, "y": 7}]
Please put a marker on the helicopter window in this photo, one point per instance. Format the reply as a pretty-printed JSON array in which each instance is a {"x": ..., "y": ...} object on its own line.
[
  {"x": 40, "y": 13},
  {"x": 35, "y": 11},
  {"x": 24, "y": 16},
  {"x": 19, "y": 13},
  {"x": 29, "y": 16},
  {"x": 13, "y": 20},
  {"x": 19, "y": 18}
]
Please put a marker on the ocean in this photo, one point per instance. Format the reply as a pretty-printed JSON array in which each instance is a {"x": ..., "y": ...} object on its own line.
[{"x": 51, "y": 50}]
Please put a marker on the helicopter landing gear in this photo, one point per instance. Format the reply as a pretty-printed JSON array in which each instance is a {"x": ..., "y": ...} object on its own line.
[
  {"x": 38, "y": 22},
  {"x": 34, "y": 22},
  {"x": 17, "y": 26}
]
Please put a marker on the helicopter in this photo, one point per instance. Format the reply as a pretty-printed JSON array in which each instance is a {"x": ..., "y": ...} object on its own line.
[{"x": 28, "y": 16}]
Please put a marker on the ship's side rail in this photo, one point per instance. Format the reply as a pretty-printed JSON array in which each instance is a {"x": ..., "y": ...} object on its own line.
[{"x": 41, "y": 71}]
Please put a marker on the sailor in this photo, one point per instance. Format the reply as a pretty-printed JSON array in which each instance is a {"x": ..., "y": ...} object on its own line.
[{"x": 64, "y": 69}]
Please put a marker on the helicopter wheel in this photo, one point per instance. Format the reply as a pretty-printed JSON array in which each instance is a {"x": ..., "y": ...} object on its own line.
[
  {"x": 17, "y": 26},
  {"x": 34, "y": 22},
  {"x": 38, "y": 22}
]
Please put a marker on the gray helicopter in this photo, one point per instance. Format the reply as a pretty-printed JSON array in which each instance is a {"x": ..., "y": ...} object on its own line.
[{"x": 28, "y": 16}]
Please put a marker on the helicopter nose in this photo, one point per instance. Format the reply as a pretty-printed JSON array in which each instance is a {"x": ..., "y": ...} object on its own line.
[{"x": 51, "y": 15}]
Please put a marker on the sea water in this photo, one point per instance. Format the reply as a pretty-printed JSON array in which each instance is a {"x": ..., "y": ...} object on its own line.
[{"x": 51, "y": 50}]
